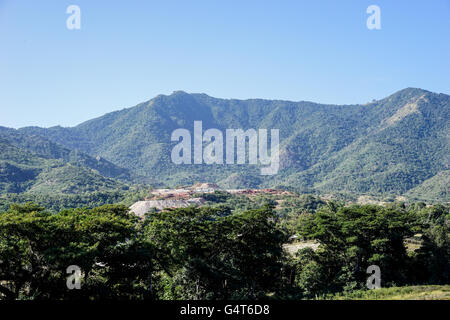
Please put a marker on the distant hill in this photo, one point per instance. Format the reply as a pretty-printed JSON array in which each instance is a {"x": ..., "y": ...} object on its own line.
[
  {"x": 47, "y": 149},
  {"x": 389, "y": 146},
  {"x": 437, "y": 188},
  {"x": 34, "y": 164}
]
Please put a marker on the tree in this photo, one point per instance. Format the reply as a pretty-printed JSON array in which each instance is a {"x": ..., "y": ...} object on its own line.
[
  {"x": 36, "y": 247},
  {"x": 356, "y": 237},
  {"x": 210, "y": 253}
]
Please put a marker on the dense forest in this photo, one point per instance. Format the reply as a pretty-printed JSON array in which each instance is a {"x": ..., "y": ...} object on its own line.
[
  {"x": 396, "y": 146},
  {"x": 230, "y": 249}
]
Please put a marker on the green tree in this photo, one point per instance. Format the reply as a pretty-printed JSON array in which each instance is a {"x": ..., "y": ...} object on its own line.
[
  {"x": 210, "y": 253},
  {"x": 356, "y": 237},
  {"x": 36, "y": 247}
]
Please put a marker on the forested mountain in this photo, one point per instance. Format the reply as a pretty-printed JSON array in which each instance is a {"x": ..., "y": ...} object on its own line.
[
  {"x": 389, "y": 146},
  {"x": 34, "y": 164},
  {"x": 43, "y": 147},
  {"x": 435, "y": 188}
]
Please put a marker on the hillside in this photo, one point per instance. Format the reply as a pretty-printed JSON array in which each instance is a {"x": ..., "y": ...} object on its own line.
[
  {"x": 388, "y": 146},
  {"x": 22, "y": 170},
  {"x": 70, "y": 179},
  {"x": 47, "y": 149},
  {"x": 437, "y": 187}
]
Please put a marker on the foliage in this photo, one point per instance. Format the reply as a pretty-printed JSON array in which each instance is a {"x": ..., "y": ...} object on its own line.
[
  {"x": 353, "y": 238},
  {"x": 387, "y": 147},
  {"x": 36, "y": 247},
  {"x": 395, "y": 293},
  {"x": 212, "y": 254},
  {"x": 218, "y": 252}
]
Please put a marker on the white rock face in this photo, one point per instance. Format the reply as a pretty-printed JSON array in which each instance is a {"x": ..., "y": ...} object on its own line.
[
  {"x": 205, "y": 187},
  {"x": 140, "y": 208}
]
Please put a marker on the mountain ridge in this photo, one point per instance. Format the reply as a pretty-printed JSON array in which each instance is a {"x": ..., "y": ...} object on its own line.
[{"x": 376, "y": 147}]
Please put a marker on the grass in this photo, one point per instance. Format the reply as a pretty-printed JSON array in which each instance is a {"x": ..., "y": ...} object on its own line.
[
  {"x": 430, "y": 292},
  {"x": 292, "y": 248}
]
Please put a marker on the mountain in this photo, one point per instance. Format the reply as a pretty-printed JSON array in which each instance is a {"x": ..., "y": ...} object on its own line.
[
  {"x": 435, "y": 188},
  {"x": 389, "y": 146},
  {"x": 30, "y": 163},
  {"x": 47, "y": 149}
]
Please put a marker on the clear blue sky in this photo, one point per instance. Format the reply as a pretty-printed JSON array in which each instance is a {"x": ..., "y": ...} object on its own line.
[{"x": 130, "y": 51}]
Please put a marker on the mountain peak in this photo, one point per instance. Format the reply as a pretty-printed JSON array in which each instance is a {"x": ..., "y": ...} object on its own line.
[
  {"x": 410, "y": 92},
  {"x": 179, "y": 93}
]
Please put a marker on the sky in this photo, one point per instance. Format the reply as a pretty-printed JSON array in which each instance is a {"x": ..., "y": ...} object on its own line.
[{"x": 127, "y": 52}]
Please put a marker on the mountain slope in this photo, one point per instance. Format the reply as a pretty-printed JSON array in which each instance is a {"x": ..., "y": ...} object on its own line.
[
  {"x": 71, "y": 179},
  {"x": 47, "y": 149},
  {"x": 436, "y": 188},
  {"x": 399, "y": 153},
  {"x": 387, "y": 146},
  {"x": 24, "y": 171}
]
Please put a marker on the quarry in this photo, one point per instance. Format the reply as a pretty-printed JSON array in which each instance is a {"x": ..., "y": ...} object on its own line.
[{"x": 183, "y": 197}]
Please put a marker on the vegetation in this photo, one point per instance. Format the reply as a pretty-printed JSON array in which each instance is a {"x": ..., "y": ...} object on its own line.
[
  {"x": 388, "y": 147},
  {"x": 65, "y": 194},
  {"x": 216, "y": 252},
  {"x": 22, "y": 170},
  {"x": 56, "y": 202},
  {"x": 396, "y": 293}
]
